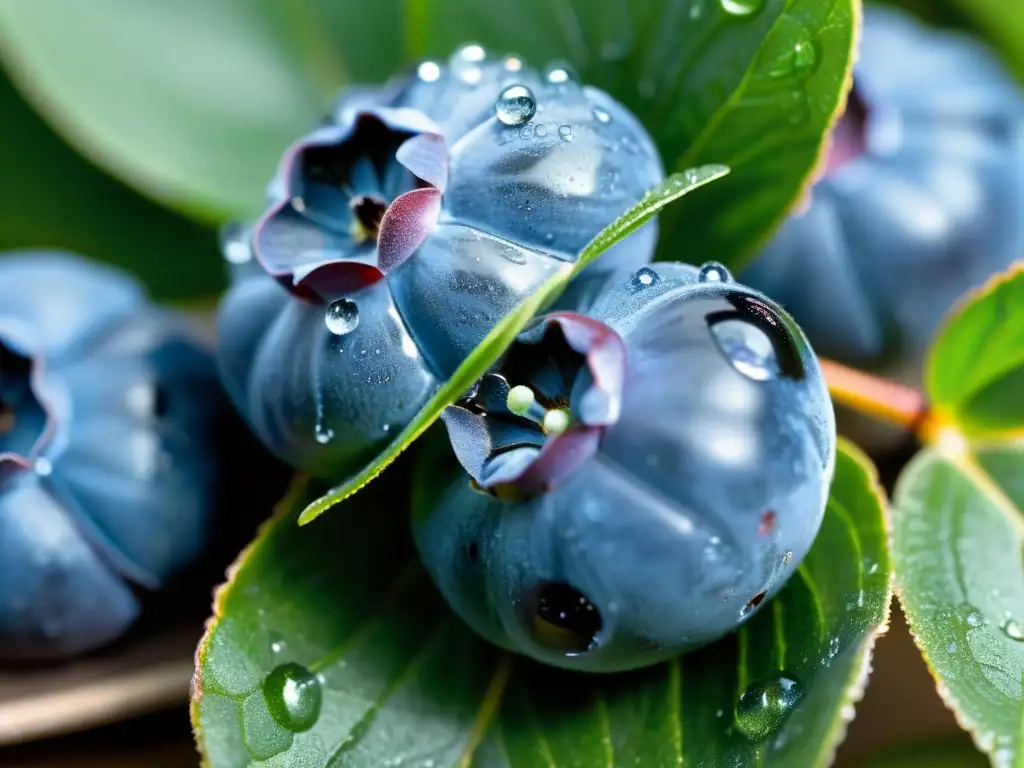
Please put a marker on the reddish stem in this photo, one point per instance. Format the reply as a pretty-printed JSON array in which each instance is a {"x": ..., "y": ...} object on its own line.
[{"x": 879, "y": 398}]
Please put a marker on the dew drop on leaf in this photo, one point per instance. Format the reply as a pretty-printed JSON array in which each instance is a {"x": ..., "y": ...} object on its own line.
[
  {"x": 1014, "y": 630},
  {"x": 515, "y": 105},
  {"x": 765, "y": 705},
  {"x": 797, "y": 56},
  {"x": 293, "y": 696},
  {"x": 742, "y": 7},
  {"x": 342, "y": 317}
]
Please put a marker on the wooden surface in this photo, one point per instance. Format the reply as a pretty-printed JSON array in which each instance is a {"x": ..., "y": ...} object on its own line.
[{"x": 146, "y": 675}]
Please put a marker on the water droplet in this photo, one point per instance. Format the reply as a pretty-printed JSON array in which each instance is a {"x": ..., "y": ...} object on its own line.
[
  {"x": 565, "y": 132},
  {"x": 746, "y": 347},
  {"x": 696, "y": 9},
  {"x": 713, "y": 272},
  {"x": 975, "y": 619},
  {"x": 235, "y": 243},
  {"x": 466, "y": 61},
  {"x": 512, "y": 63},
  {"x": 560, "y": 73},
  {"x": 293, "y": 696},
  {"x": 601, "y": 116},
  {"x": 323, "y": 434},
  {"x": 429, "y": 71},
  {"x": 742, "y": 7},
  {"x": 43, "y": 466},
  {"x": 277, "y": 645},
  {"x": 951, "y": 648},
  {"x": 1013, "y": 629},
  {"x": 765, "y": 705},
  {"x": 342, "y": 317},
  {"x": 516, "y": 105},
  {"x": 644, "y": 277},
  {"x": 797, "y": 60}
]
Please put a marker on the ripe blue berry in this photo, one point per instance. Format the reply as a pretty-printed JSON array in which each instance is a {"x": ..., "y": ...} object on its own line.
[
  {"x": 688, "y": 484},
  {"x": 920, "y": 200},
  {"x": 111, "y": 423},
  {"x": 402, "y": 230}
]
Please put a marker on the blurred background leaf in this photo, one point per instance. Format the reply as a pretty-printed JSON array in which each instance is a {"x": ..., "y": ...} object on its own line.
[
  {"x": 51, "y": 197},
  {"x": 193, "y": 102},
  {"x": 958, "y": 519}
]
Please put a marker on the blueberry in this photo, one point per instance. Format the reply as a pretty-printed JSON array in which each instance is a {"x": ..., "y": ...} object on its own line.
[
  {"x": 920, "y": 199},
  {"x": 434, "y": 204},
  {"x": 109, "y": 415},
  {"x": 643, "y": 473}
]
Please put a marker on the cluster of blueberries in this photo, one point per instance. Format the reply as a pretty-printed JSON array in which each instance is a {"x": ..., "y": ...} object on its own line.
[{"x": 650, "y": 459}]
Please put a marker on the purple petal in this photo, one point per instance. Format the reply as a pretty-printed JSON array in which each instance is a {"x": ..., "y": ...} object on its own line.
[
  {"x": 11, "y": 465},
  {"x": 470, "y": 440},
  {"x": 408, "y": 221},
  {"x": 326, "y": 281},
  {"x": 426, "y": 157},
  {"x": 605, "y": 354},
  {"x": 561, "y": 456}
]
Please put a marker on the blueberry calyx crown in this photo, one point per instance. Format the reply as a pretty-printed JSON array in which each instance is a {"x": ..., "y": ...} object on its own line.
[{"x": 541, "y": 414}]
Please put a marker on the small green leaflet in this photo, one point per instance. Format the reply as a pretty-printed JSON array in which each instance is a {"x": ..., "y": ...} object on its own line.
[
  {"x": 490, "y": 350},
  {"x": 958, "y": 519}
]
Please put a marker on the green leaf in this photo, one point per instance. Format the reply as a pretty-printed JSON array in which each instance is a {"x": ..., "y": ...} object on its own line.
[
  {"x": 398, "y": 679},
  {"x": 488, "y": 351},
  {"x": 1002, "y": 23},
  {"x": 753, "y": 90},
  {"x": 958, "y": 519},
  {"x": 51, "y": 198},
  {"x": 958, "y": 537},
  {"x": 192, "y": 102},
  {"x": 975, "y": 371}
]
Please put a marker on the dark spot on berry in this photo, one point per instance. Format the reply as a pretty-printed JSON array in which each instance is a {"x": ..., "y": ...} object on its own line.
[
  {"x": 563, "y": 618},
  {"x": 753, "y": 602},
  {"x": 473, "y": 551},
  {"x": 767, "y": 524}
]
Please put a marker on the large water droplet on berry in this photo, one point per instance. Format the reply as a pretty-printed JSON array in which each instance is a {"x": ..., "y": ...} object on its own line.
[
  {"x": 342, "y": 317},
  {"x": 747, "y": 348},
  {"x": 742, "y": 7},
  {"x": 293, "y": 696},
  {"x": 765, "y": 705},
  {"x": 516, "y": 105}
]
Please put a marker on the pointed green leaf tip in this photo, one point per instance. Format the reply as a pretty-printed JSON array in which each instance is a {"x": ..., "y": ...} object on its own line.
[{"x": 488, "y": 352}]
